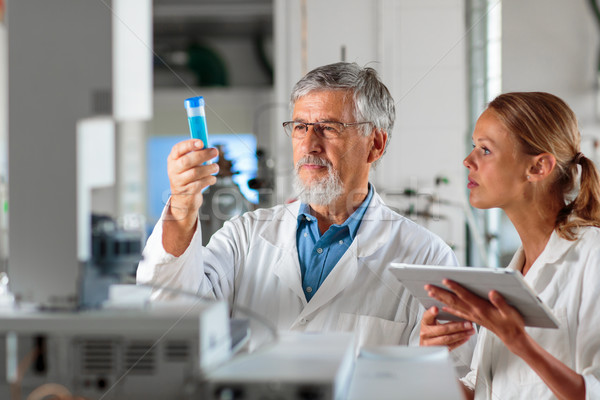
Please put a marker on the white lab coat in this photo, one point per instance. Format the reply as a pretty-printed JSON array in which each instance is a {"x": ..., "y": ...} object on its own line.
[
  {"x": 566, "y": 277},
  {"x": 253, "y": 261}
]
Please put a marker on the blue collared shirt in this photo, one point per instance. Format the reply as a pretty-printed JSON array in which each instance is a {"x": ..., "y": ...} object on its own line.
[{"x": 319, "y": 254}]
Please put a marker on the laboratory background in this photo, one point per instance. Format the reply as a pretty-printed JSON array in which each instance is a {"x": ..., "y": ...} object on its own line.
[{"x": 92, "y": 100}]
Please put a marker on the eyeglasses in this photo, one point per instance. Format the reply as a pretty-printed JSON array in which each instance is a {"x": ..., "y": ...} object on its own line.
[{"x": 325, "y": 129}]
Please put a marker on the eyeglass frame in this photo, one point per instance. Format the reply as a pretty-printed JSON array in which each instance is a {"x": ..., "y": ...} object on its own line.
[{"x": 319, "y": 132}]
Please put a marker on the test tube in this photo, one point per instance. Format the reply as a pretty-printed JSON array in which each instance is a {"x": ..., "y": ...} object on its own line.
[{"x": 194, "y": 107}]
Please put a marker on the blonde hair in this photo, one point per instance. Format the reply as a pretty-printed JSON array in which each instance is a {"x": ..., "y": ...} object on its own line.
[{"x": 543, "y": 123}]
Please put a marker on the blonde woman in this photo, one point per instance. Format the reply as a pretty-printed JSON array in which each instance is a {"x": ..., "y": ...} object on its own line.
[{"x": 526, "y": 160}]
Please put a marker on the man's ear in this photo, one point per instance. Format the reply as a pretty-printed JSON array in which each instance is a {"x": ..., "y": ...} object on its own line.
[
  {"x": 542, "y": 166},
  {"x": 378, "y": 144}
]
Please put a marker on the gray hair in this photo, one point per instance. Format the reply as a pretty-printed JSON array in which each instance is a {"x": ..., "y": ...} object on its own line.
[{"x": 372, "y": 99}]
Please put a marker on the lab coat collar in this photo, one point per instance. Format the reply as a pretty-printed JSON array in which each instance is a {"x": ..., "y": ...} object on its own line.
[
  {"x": 352, "y": 223},
  {"x": 280, "y": 232},
  {"x": 372, "y": 234},
  {"x": 375, "y": 228},
  {"x": 556, "y": 248}
]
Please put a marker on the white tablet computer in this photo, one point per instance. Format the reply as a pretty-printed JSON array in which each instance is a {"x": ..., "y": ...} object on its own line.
[{"x": 508, "y": 283}]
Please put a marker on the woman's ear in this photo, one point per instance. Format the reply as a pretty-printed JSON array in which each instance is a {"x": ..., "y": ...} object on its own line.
[
  {"x": 378, "y": 143},
  {"x": 542, "y": 166}
]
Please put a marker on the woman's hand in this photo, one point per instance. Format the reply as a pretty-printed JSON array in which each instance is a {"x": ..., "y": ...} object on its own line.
[
  {"x": 451, "y": 334},
  {"x": 495, "y": 314},
  {"x": 506, "y": 322}
]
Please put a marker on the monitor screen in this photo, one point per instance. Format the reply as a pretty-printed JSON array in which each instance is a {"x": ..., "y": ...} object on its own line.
[{"x": 240, "y": 149}]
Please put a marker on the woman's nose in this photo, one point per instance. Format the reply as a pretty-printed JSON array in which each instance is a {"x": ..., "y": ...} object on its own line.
[{"x": 467, "y": 161}]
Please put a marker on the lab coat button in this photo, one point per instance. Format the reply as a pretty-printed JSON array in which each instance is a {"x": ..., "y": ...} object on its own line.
[
  {"x": 319, "y": 250},
  {"x": 303, "y": 321}
]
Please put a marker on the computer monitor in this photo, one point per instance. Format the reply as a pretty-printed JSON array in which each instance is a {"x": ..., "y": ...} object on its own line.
[{"x": 239, "y": 148}]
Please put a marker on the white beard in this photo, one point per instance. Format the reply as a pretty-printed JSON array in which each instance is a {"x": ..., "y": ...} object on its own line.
[{"x": 322, "y": 192}]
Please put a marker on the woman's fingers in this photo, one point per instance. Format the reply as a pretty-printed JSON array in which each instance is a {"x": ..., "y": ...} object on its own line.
[{"x": 507, "y": 311}]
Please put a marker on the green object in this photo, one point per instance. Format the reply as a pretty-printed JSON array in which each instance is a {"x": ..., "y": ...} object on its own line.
[
  {"x": 442, "y": 179},
  {"x": 207, "y": 65}
]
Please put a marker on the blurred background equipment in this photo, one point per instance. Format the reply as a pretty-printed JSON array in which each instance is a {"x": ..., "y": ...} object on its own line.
[
  {"x": 223, "y": 200},
  {"x": 238, "y": 163},
  {"x": 156, "y": 353},
  {"x": 116, "y": 253},
  {"x": 264, "y": 182}
]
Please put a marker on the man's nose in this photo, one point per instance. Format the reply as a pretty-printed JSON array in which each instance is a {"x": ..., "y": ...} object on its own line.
[{"x": 312, "y": 140}]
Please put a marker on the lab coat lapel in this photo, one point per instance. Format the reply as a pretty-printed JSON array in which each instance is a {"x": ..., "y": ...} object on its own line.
[
  {"x": 371, "y": 235},
  {"x": 282, "y": 234},
  {"x": 375, "y": 228},
  {"x": 340, "y": 277}
]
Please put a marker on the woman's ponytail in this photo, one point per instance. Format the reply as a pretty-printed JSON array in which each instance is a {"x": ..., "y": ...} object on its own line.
[{"x": 584, "y": 210}]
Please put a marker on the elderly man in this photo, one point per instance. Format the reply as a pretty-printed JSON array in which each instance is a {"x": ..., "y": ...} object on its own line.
[{"x": 320, "y": 263}]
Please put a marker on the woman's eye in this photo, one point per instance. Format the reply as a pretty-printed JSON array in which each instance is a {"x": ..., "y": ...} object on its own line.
[{"x": 484, "y": 149}]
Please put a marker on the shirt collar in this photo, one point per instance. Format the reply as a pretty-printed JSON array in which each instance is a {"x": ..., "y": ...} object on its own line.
[
  {"x": 352, "y": 222},
  {"x": 554, "y": 250}
]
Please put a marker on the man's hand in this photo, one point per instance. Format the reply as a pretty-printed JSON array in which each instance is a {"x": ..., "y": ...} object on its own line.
[
  {"x": 451, "y": 334},
  {"x": 187, "y": 176}
]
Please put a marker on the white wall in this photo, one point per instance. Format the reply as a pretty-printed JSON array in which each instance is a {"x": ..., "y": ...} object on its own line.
[
  {"x": 427, "y": 74},
  {"x": 3, "y": 98},
  {"x": 59, "y": 55},
  {"x": 3, "y": 144},
  {"x": 228, "y": 110},
  {"x": 552, "y": 46}
]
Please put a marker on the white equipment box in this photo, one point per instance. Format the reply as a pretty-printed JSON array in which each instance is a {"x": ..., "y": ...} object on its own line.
[
  {"x": 404, "y": 373},
  {"x": 298, "y": 366},
  {"x": 159, "y": 353}
]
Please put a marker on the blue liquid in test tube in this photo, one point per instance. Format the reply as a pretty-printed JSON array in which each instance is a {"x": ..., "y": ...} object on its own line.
[{"x": 197, "y": 118}]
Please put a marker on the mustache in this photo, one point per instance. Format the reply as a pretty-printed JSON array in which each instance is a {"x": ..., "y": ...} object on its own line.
[{"x": 314, "y": 160}]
